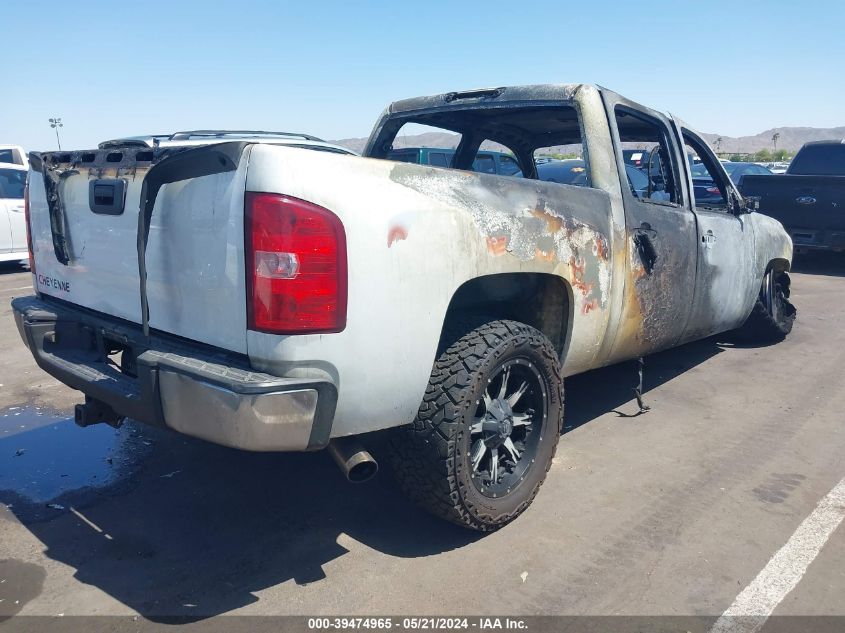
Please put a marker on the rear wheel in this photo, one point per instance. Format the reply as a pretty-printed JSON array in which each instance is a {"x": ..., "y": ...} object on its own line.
[
  {"x": 487, "y": 428},
  {"x": 773, "y": 315}
]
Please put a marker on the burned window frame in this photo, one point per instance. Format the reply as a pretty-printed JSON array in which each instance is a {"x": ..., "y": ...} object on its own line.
[
  {"x": 667, "y": 139},
  {"x": 727, "y": 187},
  {"x": 457, "y": 118}
]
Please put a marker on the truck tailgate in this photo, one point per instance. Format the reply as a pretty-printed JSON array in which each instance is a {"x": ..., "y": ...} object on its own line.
[
  {"x": 194, "y": 254},
  {"x": 800, "y": 201}
]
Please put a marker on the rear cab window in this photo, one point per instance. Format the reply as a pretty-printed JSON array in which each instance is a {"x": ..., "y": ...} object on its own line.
[
  {"x": 516, "y": 141},
  {"x": 12, "y": 183},
  {"x": 827, "y": 159}
]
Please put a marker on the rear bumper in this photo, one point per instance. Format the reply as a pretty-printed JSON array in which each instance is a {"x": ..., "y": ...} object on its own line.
[{"x": 198, "y": 391}]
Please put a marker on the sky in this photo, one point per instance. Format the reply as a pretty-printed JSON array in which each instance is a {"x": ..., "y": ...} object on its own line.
[{"x": 329, "y": 68}]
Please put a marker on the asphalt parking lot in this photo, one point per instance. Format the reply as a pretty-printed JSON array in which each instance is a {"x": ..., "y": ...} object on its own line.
[{"x": 674, "y": 512}]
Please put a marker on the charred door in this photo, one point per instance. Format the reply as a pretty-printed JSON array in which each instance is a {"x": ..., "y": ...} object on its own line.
[{"x": 661, "y": 232}]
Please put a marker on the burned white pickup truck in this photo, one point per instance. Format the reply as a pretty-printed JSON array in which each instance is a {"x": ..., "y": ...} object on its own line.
[{"x": 283, "y": 296}]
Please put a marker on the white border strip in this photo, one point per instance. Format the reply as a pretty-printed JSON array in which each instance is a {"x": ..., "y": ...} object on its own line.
[{"x": 758, "y": 600}]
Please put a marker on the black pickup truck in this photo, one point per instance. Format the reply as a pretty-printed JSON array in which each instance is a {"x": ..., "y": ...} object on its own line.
[{"x": 809, "y": 199}]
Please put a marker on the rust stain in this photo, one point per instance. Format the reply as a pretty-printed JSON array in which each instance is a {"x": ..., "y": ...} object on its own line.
[
  {"x": 553, "y": 223},
  {"x": 396, "y": 233},
  {"x": 497, "y": 246},
  {"x": 577, "y": 268},
  {"x": 544, "y": 256},
  {"x": 600, "y": 247},
  {"x": 592, "y": 304}
]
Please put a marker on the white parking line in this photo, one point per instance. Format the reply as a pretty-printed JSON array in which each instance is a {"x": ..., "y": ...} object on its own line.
[{"x": 758, "y": 600}]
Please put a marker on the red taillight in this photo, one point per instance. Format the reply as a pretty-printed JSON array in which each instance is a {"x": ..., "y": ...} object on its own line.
[
  {"x": 713, "y": 191},
  {"x": 296, "y": 266},
  {"x": 28, "y": 230}
]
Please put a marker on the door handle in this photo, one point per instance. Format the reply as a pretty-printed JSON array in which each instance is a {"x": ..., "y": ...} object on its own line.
[
  {"x": 645, "y": 249},
  {"x": 708, "y": 238}
]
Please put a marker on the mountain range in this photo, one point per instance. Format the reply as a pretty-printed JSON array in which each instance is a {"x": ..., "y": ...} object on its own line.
[{"x": 790, "y": 138}]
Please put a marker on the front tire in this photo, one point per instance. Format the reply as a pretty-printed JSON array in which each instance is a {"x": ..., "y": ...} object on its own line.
[
  {"x": 487, "y": 428},
  {"x": 773, "y": 315}
]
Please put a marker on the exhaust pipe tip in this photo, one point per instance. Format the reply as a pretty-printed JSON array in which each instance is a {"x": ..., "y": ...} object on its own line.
[{"x": 354, "y": 461}]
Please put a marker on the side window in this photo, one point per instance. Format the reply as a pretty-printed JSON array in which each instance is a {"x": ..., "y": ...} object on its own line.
[
  {"x": 563, "y": 164},
  {"x": 404, "y": 155},
  {"x": 709, "y": 187},
  {"x": 484, "y": 163},
  {"x": 508, "y": 166},
  {"x": 438, "y": 159},
  {"x": 649, "y": 140},
  {"x": 413, "y": 139}
]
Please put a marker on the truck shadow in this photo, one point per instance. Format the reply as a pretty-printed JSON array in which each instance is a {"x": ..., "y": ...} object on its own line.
[
  {"x": 827, "y": 264},
  {"x": 196, "y": 530},
  {"x": 8, "y": 268},
  {"x": 611, "y": 389}
]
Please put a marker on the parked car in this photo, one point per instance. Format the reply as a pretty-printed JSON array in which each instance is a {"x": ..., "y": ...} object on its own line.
[
  {"x": 809, "y": 199},
  {"x": 777, "y": 168},
  {"x": 707, "y": 191},
  {"x": 280, "y": 298},
  {"x": 636, "y": 157},
  {"x": 737, "y": 171},
  {"x": 485, "y": 162},
  {"x": 12, "y": 223},
  {"x": 12, "y": 154},
  {"x": 574, "y": 172}
]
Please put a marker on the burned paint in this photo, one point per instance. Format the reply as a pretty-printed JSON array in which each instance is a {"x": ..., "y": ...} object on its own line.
[
  {"x": 497, "y": 246},
  {"x": 553, "y": 223},
  {"x": 588, "y": 306},
  {"x": 395, "y": 234},
  {"x": 399, "y": 227},
  {"x": 600, "y": 248},
  {"x": 577, "y": 267},
  {"x": 532, "y": 221}
]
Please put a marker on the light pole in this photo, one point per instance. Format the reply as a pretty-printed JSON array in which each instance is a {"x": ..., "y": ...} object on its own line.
[{"x": 56, "y": 124}]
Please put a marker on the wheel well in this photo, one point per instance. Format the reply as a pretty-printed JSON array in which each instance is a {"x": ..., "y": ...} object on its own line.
[
  {"x": 540, "y": 300},
  {"x": 779, "y": 265}
]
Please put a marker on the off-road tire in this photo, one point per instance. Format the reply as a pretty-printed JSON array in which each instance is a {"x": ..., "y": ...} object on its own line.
[
  {"x": 430, "y": 457},
  {"x": 773, "y": 315}
]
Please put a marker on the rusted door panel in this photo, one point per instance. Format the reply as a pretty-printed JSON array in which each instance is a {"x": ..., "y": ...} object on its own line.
[{"x": 661, "y": 256}]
